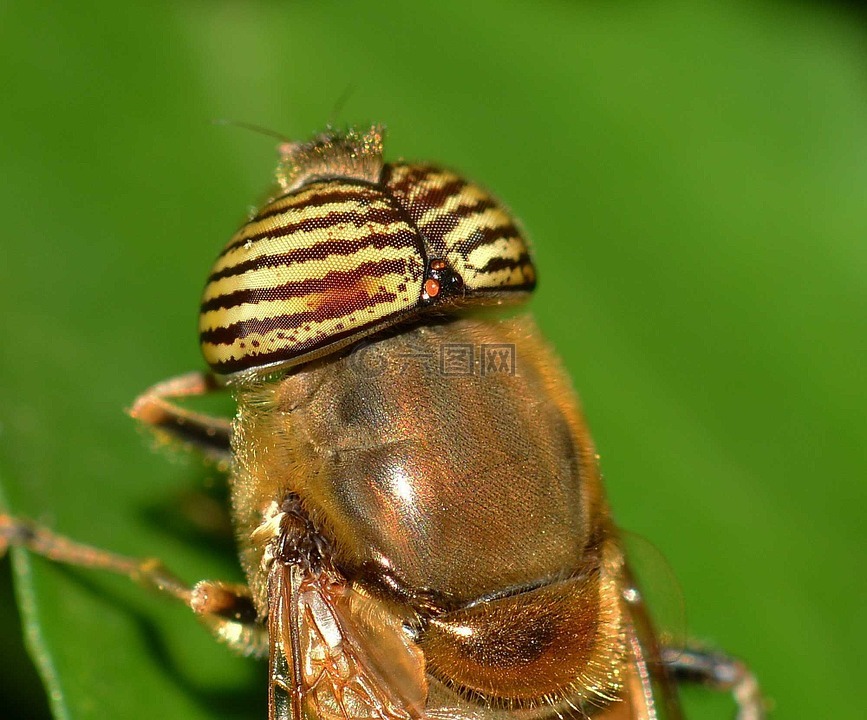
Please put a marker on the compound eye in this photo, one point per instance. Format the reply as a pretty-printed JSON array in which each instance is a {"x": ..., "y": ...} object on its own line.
[
  {"x": 324, "y": 264},
  {"x": 466, "y": 226},
  {"x": 561, "y": 640}
]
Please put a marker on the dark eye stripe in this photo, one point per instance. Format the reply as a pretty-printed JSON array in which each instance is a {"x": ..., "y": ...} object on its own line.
[
  {"x": 358, "y": 216},
  {"x": 486, "y": 236},
  {"x": 500, "y": 263},
  {"x": 448, "y": 221},
  {"x": 408, "y": 175},
  {"x": 436, "y": 196},
  {"x": 299, "y": 288},
  {"x": 230, "y": 333},
  {"x": 317, "y": 199},
  {"x": 318, "y": 251}
]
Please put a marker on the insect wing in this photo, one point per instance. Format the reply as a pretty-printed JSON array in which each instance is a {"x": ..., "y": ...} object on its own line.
[
  {"x": 283, "y": 651},
  {"x": 332, "y": 657},
  {"x": 651, "y": 579},
  {"x": 650, "y": 690}
]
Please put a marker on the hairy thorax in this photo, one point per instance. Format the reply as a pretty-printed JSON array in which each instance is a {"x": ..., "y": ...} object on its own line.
[{"x": 433, "y": 462}]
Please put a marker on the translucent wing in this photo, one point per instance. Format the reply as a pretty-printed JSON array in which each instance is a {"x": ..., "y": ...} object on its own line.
[
  {"x": 650, "y": 691},
  {"x": 336, "y": 654},
  {"x": 661, "y": 596}
]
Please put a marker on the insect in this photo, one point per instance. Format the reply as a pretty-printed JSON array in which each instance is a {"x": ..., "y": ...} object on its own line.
[{"x": 416, "y": 497}]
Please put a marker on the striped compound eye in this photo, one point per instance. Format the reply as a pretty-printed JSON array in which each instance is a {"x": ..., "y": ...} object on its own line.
[{"x": 350, "y": 247}]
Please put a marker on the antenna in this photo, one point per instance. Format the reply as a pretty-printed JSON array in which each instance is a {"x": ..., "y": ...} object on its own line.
[
  {"x": 341, "y": 101},
  {"x": 252, "y": 127}
]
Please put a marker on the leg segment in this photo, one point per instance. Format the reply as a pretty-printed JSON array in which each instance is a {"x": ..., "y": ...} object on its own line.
[
  {"x": 227, "y": 609},
  {"x": 720, "y": 672},
  {"x": 210, "y": 435}
]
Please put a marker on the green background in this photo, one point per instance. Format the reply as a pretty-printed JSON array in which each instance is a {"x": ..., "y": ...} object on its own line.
[{"x": 693, "y": 174}]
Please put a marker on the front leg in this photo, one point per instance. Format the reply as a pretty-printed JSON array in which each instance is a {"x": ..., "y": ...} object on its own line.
[
  {"x": 225, "y": 608},
  {"x": 208, "y": 434}
]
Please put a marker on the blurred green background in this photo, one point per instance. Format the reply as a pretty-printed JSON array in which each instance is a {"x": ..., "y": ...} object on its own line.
[{"x": 693, "y": 174}]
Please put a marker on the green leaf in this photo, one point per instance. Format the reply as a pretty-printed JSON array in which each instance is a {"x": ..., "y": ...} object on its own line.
[{"x": 693, "y": 175}]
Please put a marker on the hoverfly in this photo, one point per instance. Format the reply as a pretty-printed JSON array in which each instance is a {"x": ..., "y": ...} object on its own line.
[{"x": 416, "y": 497}]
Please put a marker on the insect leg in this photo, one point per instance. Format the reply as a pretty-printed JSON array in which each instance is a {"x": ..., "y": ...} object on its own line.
[
  {"x": 206, "y": 433},
  {"x": 719, "y": 672},
  {"x": 226, "y": 608}
]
